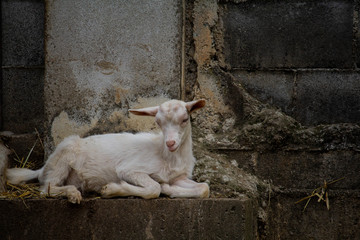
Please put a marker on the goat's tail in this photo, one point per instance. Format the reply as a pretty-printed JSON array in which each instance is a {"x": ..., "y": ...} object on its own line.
[{"x": 22, "y": 175}]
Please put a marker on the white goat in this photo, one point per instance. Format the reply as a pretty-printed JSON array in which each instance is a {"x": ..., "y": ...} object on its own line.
[{"x": 125, "y": 164}]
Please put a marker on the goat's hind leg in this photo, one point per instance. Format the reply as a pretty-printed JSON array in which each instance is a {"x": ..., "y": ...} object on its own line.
[
  {"x": 184, "y": 187},
  {"x": 52, "y": 184},
  {"x": 133, "y": 184}
]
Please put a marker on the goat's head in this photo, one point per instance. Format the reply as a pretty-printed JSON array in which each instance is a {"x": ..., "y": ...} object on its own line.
[{"x": 173, "y": 117}]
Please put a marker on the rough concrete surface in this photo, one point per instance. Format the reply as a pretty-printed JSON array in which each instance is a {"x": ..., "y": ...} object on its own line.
[
  {"x": 327, "y": 97},
  {"x": 311, "y": 97},
  {"x": 22, "y": 60},
  {"x": 301, "y": 169},
  {"x": 22, "y": 28},
  {"x": 128, "y": 219},
  {"x": 287, "y": 220},
  {"x": 23, "y": 100},
  {"x": 103, "y": 57},
  {"x": 273, "y": 87}
]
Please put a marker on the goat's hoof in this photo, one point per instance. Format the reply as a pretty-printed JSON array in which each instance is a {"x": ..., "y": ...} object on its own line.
[
  {"x": 206, "y": 191},
  {"x": 74, "y": 197}
]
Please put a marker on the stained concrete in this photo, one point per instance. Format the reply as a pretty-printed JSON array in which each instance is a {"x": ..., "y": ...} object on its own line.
[
  {"x": 129, "y": 219},
  {"x": 103, "y": 57}
]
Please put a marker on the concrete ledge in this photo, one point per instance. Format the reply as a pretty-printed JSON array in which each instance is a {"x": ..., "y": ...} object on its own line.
[{"x": 128, "y": 219}]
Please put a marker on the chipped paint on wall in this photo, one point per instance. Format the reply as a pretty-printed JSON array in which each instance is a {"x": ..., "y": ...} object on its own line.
[
  {"x": 206, "y": 18},
  {"x": 120, "y": 121}
]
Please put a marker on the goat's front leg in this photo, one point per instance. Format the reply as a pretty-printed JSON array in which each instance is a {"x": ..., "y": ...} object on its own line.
[
  {"x": 69, "y": 191},
  {"x": 133, "y": 184},
  {"x": 185, "y": 187}
]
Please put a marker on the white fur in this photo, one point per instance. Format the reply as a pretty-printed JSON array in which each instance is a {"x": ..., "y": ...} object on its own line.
[{"x": 142, "y": 164}]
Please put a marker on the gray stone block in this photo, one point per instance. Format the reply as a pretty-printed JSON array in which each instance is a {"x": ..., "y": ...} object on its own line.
[
  {"x": 311, "y": 97},
  {"x": 327, "y": 97},
  {"x": 288, "y": 34},
  {"x": 22, "y": 25},
  {"x": 357, "y": 33},
  {"x": 22, "y": 100},
  {"x": 129, "y": 219},
  {"x": 288, "y": 220},
  {"x": 302, "y": 169},
  {"x": 272, "y": 87}
]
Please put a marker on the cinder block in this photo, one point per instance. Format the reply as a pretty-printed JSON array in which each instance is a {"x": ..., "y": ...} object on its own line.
[
  {"x": 22, "y": 25},
  {"x": 311, "y": 97},
  {"x": 22, "y": 100},
  {"x": 288, "y": 220},
  {"x": 272, "y": 87},
  {"x": 303, "y": 169},
  {"x": 357, "y": 32},
  {"x": 129, "y": 219},
  {"x": 289, "y": 34},
  {"x": 325, "y": 97}
]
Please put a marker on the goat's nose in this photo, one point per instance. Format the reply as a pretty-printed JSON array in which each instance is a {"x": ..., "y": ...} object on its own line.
[{"x": 170, "y": 143}]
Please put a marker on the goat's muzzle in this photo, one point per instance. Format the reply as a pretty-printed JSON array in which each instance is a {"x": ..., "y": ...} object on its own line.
[{"x": 171, "y": 144}]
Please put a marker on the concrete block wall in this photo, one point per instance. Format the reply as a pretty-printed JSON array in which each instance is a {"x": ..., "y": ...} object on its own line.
[
  {"x": 22, "y": 76},
  {"x": 282, "y": 82},
  {"x": 22, "y": 62},
  {"x": 307, "y": 51}
]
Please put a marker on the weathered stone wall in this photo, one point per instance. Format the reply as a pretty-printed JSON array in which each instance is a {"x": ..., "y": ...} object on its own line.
[
  {"x": 282, "y": 85},
  {"x": 306, "y": 51}
]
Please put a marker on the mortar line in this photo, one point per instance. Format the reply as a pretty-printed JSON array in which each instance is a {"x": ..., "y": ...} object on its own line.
[
  {"x": 355, "y": 33},
  {"x": 182, "y": 80},
  {"x": 297, "y": 69},
  {"x": 23, "y": 67}
]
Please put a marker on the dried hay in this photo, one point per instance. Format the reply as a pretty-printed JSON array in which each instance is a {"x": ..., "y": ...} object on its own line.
[
  {"x": 24, "y": 191},
  {"x": 322, "y": 193}
]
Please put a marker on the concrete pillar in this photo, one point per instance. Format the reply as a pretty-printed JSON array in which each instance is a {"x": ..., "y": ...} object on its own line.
[{"x": 103, "y": 57}]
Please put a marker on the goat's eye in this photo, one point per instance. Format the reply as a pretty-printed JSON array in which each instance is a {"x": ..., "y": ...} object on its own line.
[{"x": 185, "y": 120}]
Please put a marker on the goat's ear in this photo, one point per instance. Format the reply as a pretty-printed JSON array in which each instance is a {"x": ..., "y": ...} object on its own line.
[
  {"x": 150, "y": 111},
  {"x": 195, "y": 105}
]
